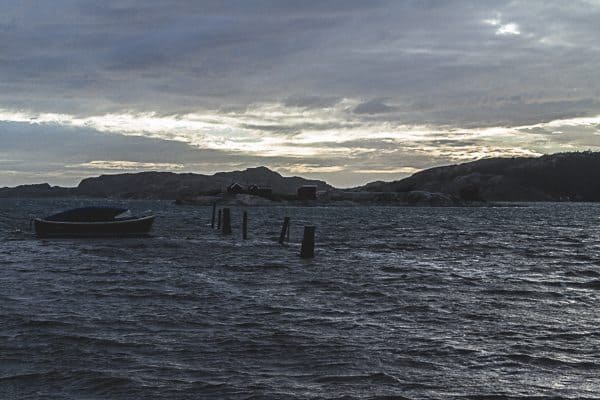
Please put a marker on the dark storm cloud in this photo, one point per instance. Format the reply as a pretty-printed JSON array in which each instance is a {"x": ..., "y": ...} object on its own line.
[
  {"x": 310, "y": 101},
  {"x": 375, "y": 106},
  {"x": 32, "y": 152},
  {"x": 291, "y": 128},
  {"x": 340, "y": 67},
  {"x": 82, "y": 145},
  {"x": 179, "y": 56},
  {"x": 149, "y": 55}
]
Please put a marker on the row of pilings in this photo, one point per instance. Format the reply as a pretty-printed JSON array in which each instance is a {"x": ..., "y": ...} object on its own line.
[{"x": 223, "y": 223}]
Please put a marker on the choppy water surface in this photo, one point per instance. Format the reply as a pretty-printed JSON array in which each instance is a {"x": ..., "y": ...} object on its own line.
[{"x": 404, "y": 302}]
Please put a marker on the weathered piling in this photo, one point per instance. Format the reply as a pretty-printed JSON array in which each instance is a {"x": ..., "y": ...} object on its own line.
[
  {"x": 285, "y": 229},
  {"x": 226, "y": 221},
  {"x": 245, "y": 226},
  {"x": 212, "y": 220},
  {"x": 308, "y": 242},
  {"x": 219, "y": 220}
]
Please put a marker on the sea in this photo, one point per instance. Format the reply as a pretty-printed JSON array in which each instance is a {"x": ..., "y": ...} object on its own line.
[{"x": 398, "y": 302}]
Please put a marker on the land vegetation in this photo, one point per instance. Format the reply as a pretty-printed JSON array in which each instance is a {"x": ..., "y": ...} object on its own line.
[{"x": 571, "y": 176}]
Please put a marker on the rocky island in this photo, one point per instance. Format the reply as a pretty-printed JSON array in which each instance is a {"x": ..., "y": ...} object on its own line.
[{"x": 557, "y": 177}]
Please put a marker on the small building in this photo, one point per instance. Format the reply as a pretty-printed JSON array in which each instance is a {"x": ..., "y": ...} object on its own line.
[
  {"x": 262, "y": 191},
  {"x": 235, "y": 188},
  {"x": 307, "y": 192}
]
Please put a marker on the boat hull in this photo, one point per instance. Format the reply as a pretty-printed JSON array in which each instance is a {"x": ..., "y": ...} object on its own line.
[{"x": 123, "y": 228}]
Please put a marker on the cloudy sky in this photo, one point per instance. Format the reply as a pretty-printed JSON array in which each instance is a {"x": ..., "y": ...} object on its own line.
[{"x": 343, "y": 90}]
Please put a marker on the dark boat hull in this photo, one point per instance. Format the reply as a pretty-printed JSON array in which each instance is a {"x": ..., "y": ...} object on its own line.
[{"x": 119, "y": 228}]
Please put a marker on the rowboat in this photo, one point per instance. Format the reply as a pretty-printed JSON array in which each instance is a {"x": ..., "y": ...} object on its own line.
[{"x": 93, "y": 222}]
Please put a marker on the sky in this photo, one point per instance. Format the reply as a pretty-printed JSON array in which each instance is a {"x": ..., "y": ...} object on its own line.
[{"x": 342, "y": 90}]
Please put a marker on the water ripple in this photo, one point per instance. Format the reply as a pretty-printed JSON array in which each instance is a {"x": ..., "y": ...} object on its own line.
[{"x": 484, "y": 303}]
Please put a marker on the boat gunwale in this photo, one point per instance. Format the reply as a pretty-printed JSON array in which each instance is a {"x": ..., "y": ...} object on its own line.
[{"x": 113, "y": 222}]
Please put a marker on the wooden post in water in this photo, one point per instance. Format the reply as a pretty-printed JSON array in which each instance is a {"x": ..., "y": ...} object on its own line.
[
  {"x": 308, "y": 242},
  {"x": 219, "y": 220},
  {"x": 212, "y": 220},
  {"x": 226, "y": 221},
  {"x": 285, "y": 229},
  {"x": 245, "y": 226}
]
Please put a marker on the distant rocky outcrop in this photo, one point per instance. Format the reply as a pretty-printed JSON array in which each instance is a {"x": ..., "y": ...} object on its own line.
[
  {"x": 36, "y": 190},
  {"x": 147, "y": 185},
  {"x": 167, "y": 185},
  {"x": 410, "y": 198},
  {"x": 557, "y": 177}
]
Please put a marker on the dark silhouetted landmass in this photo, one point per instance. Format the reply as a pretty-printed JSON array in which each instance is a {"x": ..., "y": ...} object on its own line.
[
  {"x": 556, "y": 177},
  {"x": 166, "y": 185},
  {"x": 37, "y": 190}
]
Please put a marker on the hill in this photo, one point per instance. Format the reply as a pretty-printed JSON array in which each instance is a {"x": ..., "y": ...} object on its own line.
[
  {"x": 556, "y": 177},
  {"x": 166, "y": 185}
]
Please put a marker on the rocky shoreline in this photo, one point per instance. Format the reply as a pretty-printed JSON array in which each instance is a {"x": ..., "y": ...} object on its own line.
[{"x": 342, "y": 199}]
